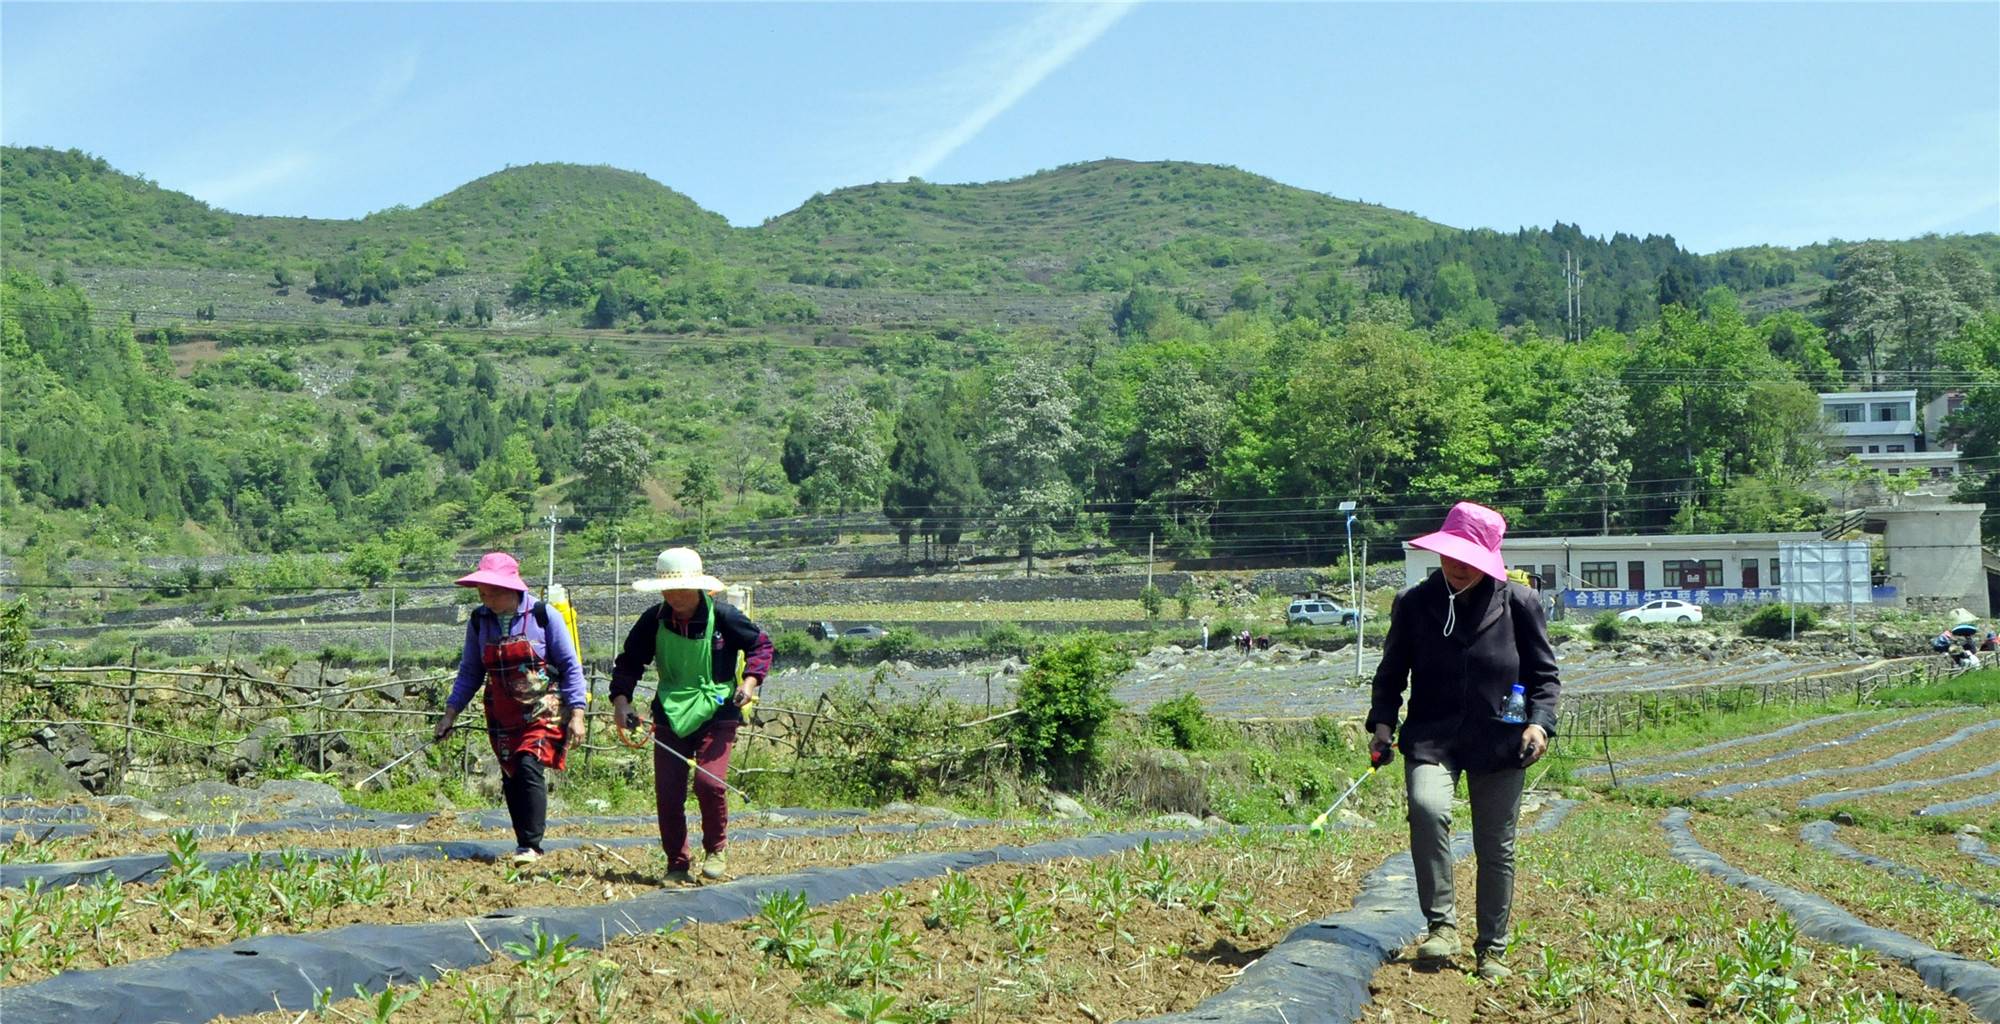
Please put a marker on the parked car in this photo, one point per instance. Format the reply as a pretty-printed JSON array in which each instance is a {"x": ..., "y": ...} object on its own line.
[
  {"x": 1664, "y": 610},
  {"x": 1319, "y": 612},
  {"x": 864, "y": 632}
]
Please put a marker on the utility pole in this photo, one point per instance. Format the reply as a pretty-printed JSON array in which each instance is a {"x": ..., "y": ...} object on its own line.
[
  {"x": 1149, "y": 561},
  {"x": 1361, "y": 607},
  {"x": 1353, "y": 588},
  {"x": 1572, "y": 296},
  {"x": 1569, "y": 319}
]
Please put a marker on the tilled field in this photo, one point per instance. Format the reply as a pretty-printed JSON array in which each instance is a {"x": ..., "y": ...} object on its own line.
[
  {"x": 1835, "y": 765},
  {"x": 192, "y": 905},
  {"x": 1608, "y": 928},
  {"x": 1621, "y": 914},
  {"x": 113, "y": 840},
  {"x": 1943, "y": 919},
  {"x": 1937, "y": 855},
  {"x": 1132, "y": 935}
]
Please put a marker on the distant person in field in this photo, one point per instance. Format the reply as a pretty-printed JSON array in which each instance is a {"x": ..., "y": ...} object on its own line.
[
  {"x": 523, "y": 658},
  {"x": 1459, "y": 642},
  {"x": 695, "y": 643}
]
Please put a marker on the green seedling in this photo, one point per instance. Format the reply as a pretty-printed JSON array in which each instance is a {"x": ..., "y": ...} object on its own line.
[
  {"x": 544, "y": 958},
  {"x": 784, "y": 927},
  {"x": 382, "y": 1006},
  {"x": 488, "y": 1006},
  {"x": 606, "y": 980},
  {"x": 875, "y": 1008},
  {"x": 952, "y": 901}
]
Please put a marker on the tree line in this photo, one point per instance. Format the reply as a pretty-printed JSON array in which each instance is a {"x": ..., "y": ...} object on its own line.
[{"x": 1216, "y": 431}]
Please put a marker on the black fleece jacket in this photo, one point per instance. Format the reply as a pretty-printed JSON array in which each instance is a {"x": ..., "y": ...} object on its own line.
[{"x": 1458, "y": 680}]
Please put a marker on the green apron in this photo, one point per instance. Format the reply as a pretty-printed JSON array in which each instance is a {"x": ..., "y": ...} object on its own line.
[{"x": 688, "y": 693}]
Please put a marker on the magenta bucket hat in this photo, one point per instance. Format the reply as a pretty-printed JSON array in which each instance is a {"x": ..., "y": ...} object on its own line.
[
  {"x": 497, "y": 568},
  {"x": 1472, "y": 535}
]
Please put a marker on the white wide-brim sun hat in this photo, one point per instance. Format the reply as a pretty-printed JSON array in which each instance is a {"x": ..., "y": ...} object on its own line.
[{"x": 678, "y": 569}]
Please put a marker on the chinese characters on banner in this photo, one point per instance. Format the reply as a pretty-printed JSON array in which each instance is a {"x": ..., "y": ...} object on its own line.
[{"x": 1700, "y": 596}]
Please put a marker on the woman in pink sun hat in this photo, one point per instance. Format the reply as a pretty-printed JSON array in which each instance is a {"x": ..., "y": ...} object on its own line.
[
  {"x": 534, "y": 691},
  {"x": 1463, "y": 642}
]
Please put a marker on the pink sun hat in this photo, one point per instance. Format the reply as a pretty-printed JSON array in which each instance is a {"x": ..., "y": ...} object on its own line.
[
  {"x": 497, "y": 568},
  {"x": 1472, "y": 535}
]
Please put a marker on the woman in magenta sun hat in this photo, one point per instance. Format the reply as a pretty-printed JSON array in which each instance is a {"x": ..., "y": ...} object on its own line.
[
  {"x": 1463, "y": 642},
  {"x": 534, "y": 691}
]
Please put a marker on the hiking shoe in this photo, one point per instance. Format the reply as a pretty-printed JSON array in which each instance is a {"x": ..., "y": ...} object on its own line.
[
  {"x": 1491, "y": 969},
  {"x": 680, "y": 876},
  {"x": 1441, "y": 944},
  {"x": 714, "y": 866},
  {"x": 526, "y": 855}
]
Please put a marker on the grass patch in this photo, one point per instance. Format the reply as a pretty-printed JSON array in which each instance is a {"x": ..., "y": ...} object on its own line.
[{"x": 1981, "y": 687}]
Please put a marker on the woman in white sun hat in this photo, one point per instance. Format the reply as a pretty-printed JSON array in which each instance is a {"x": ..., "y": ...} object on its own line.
[{"x": 694, "y": 640}]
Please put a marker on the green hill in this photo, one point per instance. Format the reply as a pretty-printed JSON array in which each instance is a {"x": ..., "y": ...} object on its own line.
[
  {"x": 1103, "y": 225},
  {"x": 569, "y": 245},
  {"x": 77, "y": 209},
  {"x": 506, "y": 213}
]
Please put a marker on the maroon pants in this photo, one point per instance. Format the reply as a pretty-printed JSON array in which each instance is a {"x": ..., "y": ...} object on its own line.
[{"x": 709, "y": 747}]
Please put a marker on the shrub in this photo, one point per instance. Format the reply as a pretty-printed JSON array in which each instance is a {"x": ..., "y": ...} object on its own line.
[
  {"x": 792, "y": 643},
  {"x": 900, "y": 642},
  {"x": 340, "y": 655},
  {"x": 277, "y": 657},
  {"x": 1005, "y": 638},
  {"x": 1182, "y": 723},
  {"x": 1185, "y": 597},
  {"x": 1065, "y": 699},
  {"x": 1774, "y": 621},
  {"x": 1152, "y": 601},
  {"x": 1606, "y": 628}
]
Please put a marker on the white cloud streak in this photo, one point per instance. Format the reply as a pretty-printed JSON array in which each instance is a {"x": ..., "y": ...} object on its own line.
[
  {"x": 247, "y": 182},
  {"x": 296, "y": 159},
  {"x": 1002, "y": 71}
]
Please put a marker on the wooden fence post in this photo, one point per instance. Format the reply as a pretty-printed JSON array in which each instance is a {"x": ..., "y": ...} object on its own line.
[
  {"x": 131, "y": 705},
  {"x": 319, "y": 701}
]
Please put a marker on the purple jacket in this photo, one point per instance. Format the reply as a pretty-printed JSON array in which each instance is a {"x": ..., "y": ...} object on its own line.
[{"x": 485, "y": 627}]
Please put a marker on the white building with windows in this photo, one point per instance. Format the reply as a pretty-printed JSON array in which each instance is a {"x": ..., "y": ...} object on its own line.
[
  {"x": 1693, "y": 561},
  {"x": 1887, "y": 431},
  {"x": 1929, "y": 548}
]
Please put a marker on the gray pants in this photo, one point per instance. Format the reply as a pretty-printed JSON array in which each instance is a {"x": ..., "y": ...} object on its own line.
[{"x": 1496, "y": 804}]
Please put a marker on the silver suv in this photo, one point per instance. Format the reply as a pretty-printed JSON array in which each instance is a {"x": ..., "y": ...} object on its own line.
[{"x": 1318, "y": 611}]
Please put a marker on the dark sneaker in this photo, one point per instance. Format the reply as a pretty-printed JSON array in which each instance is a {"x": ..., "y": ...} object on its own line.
[{"x": 680, "y": 876}]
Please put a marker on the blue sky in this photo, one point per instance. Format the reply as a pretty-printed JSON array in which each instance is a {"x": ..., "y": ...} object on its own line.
[{"x": 1721, "y": 124}]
